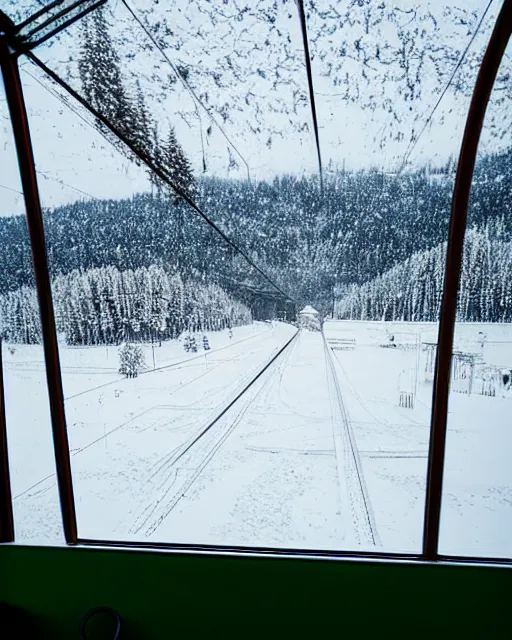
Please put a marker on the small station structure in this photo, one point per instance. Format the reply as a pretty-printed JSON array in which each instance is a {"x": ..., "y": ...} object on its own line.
[{"x": 309, "y": 319}]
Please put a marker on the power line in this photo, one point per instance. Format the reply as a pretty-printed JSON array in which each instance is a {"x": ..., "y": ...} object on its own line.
[
  {"x": 60, "y": 98},
  {"x": 38, "y": 14},
  {"x": 77, "y": 113},
  {"x": 10, "y": 189},
  {"x": 155, "y": 169},
  {"x": 55, "y": 23},
  {"x": 55, "y": 94},
  {"x": 65, "y": 184},
  {"x": 304, "y": 29},
  {"x": 146, "y": 161},
  {"x": 414, "y": 141},
  {"x": 43, "y": 173},
  {"x": 186, "y": 84}
]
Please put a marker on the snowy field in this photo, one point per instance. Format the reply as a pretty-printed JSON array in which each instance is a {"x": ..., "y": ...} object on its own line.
[
  {"x": 393, "y": 441},
  {"x": 318, "y": 453}
]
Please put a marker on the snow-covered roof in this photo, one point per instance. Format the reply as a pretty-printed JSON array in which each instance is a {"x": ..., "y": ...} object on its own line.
[{"x": 308, "y": 309}]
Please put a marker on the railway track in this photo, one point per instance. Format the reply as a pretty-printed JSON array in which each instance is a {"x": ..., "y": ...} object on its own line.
[
  {"x": 353, "y": 491},
  {"x": 77, "y": 450},
  {"x": 180, "y": 468}
]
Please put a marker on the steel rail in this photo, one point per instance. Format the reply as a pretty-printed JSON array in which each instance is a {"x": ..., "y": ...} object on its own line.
[
  {"x": 369, "y": 527},
  {"x": 237, "y": 397},
  {"x": 167, "y": 507}
]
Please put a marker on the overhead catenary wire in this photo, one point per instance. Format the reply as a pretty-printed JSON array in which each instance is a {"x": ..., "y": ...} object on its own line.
[
  {"x": 55, "y": 94},
  {"x": 54, "y": 19},
  {"x": 65, "y": 184},
  {"x": 309, "y": 72},
  {"x": 414, "y": 141},
  {"x": 44, "y": 173},
  {"x": 63, "y": 101},
  {"x": 3, "y": 186},
  {"x": 38, "y": 14},
  {"x": 195, "y": 97},
  {"x": 156, "y": 170},
  {"x": 146, "y": 160}
]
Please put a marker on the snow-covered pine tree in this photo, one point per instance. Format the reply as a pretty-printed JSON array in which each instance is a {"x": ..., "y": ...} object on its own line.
[
  {"x": 131, "y": 360},
  {"x": 99, "y": 69},
  {"x": 175, "y": 164},
  {"x": 142, "y": 131},
  {"x": 142, "y": 134},
  {"x": 412, "y": 290},
  {"x": 157, "y": 159},
  {"x": 175, "y": 318}
]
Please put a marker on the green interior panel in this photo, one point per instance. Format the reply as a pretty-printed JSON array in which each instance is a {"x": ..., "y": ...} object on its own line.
[{"x": 168, "y": 595}]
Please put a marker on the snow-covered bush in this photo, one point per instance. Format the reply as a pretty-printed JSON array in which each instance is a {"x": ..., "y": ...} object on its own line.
[
  {"x": 131, "y": 360},
  {"x": 190, "y": 343}
]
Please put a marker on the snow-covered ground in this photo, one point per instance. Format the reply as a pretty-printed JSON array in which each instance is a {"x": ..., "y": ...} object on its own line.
[
  {"x": 393, "y": 441},
  {"x": 100, "y": 403},
  {"x": 316, "y": 454}
]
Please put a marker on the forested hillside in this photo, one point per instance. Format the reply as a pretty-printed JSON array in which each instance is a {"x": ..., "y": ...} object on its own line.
[
  {"x": 370, "y": 238},
  {"x": 412, "y": 290},
  {"x": 108, "y": 306},
  {"x": 362, "y": 225}
]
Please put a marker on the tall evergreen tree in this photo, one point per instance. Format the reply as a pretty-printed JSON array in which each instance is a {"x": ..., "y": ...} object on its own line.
[
  {"x": 100, "y": 72},
  {"x": 157, "y": 159},
  {"x": 176, "y": 165},
  {"x": 142, "y": 127}
]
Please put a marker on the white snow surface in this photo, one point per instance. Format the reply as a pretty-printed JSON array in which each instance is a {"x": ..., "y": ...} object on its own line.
[{"x": 290, "y": 464}]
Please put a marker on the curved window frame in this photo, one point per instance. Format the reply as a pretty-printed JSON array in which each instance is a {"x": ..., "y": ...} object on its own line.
[{"x": 12, "y": 46}]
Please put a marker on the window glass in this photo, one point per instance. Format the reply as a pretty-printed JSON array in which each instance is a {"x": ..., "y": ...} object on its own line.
[
  {"x": 20, "y": 11},
  {"x": 161, "y": 326},
  {"x": 29, "y": 435},
  {"x": 390, "y": 140},
  {"x": 277, "y": 392},
  {"x": 477, "y": 500}
]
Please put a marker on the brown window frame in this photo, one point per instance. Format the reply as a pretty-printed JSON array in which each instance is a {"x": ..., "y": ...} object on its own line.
[{"x": 10, "y": 50}]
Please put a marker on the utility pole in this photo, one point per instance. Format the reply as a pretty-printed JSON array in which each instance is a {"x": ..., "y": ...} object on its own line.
[
  {"x": 334, "y": 294},
  {"x": 153, "y": 348}
]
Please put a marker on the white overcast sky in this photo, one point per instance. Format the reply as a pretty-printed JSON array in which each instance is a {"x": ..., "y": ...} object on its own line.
[{"x": 73, "y": 158}]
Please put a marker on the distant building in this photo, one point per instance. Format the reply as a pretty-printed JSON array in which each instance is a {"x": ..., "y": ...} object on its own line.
[{"x": 309, "y": 319}]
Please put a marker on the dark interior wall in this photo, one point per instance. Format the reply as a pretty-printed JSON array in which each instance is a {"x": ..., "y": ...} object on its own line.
[{"x": 166, "y": 595}]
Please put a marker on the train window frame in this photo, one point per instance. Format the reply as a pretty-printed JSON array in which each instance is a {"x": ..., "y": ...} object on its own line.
[{"x": 12, "y": 46}]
